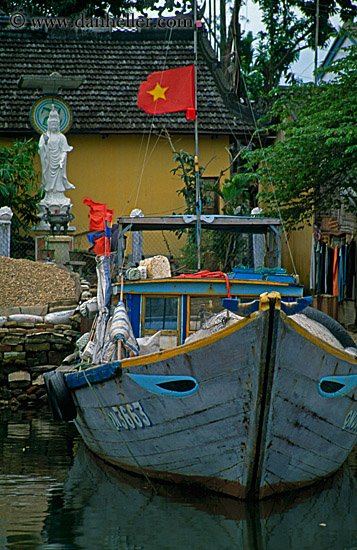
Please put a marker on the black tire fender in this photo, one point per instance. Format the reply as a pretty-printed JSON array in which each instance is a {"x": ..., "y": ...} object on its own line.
[
  {"x": 61, "y": 402},
  {"x": 333, "y": 326}
]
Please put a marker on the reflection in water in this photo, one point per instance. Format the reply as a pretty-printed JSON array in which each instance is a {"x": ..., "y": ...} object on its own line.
[{"x": 48, "y": 501}]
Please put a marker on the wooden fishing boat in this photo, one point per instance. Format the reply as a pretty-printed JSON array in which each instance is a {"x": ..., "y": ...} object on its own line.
[{"x": 262, "y": 402}]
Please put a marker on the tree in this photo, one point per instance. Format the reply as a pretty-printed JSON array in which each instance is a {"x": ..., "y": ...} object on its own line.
[
  {"x": 313, "y": 169},
  {"x": 288, "y": 29},
  {"x": 20, "y": 187}
]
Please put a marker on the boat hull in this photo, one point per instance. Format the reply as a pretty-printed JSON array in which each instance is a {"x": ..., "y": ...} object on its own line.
[{"x": 253, "y": 425}]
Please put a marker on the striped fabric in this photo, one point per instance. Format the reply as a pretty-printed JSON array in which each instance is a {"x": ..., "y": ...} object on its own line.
[{"x": 121, "y": 329}]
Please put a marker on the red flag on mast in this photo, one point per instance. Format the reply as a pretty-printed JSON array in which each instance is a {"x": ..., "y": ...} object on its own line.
[
  {"x": 98, "y": 214},
  {"x": 168, "y": 92}
]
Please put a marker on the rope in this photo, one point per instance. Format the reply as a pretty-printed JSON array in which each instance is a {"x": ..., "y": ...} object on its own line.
[
  {"x": 103, "y": 409},
  {"x": 208, "y": 274}
]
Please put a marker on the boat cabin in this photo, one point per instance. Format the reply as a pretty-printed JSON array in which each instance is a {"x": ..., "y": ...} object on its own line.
[{"x": 179, "y": 305}]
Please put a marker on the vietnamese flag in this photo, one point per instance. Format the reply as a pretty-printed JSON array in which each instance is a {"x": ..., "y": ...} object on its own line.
[{"x": 168, "y": 92}]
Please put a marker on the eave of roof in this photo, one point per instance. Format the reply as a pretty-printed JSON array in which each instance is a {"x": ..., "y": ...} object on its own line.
[{"x": 112, "y": 65}]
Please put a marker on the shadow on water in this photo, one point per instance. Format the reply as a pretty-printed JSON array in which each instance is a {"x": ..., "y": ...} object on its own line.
[{"x": 55, "y": 495}]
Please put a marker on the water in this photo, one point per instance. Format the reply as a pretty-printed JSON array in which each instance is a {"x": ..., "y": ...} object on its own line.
[{"x": 55, "y": 496}]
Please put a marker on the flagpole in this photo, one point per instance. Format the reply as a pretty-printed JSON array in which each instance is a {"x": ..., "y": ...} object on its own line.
[{"x": 197, "y": 175}]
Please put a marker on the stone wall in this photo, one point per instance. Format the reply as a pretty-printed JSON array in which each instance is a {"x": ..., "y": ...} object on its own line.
[{"x": 28, "y": 350}]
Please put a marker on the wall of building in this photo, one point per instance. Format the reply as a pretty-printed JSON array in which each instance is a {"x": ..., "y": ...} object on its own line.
[
  {"x": 127, "y": 172},
  {"x": 132, "y": 171},
  {"x": 300, "y": 247}
]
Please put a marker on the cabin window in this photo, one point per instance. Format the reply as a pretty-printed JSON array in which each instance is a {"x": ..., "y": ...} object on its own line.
[
  {"x": 161, "y": 313},
  {"x": 201, "y": 308}
]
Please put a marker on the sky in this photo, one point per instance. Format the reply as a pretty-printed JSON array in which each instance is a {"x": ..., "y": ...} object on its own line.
[{"x": 303, "y": 69}]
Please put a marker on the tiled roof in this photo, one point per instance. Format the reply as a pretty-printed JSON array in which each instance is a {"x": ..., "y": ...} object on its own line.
[{"x": 112, "y": 65}]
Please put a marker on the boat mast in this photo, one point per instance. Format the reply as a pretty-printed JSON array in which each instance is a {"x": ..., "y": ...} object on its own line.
[{"x": 197, "y": 175}]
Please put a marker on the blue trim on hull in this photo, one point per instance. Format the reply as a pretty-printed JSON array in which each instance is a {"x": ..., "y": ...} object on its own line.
[
  {"x": 336, "y": 386},
  {"x": 95, "y": 375},
  {"x": 168, "y": 386}
]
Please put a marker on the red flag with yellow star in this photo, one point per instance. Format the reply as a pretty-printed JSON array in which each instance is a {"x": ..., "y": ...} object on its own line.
[{"x": 168, "y": 92}]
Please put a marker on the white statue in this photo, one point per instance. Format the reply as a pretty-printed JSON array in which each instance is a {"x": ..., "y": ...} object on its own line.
[{"x": 53, "y": 149}]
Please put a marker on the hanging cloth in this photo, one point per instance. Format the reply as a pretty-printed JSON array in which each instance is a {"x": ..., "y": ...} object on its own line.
[
  {"x": 312, "y": 264},
  {"x": 330, "y": 254},
  {"x": 335, "y": 271},
  {"x": 351, "y": 269},
  {"x": 340, "y": 272},
  {"x": 318, "y": 268},
  {"x": 326, "y": 269}
]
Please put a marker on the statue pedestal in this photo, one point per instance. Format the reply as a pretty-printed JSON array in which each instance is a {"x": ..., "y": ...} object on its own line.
[{"x": 61, "y": 244}]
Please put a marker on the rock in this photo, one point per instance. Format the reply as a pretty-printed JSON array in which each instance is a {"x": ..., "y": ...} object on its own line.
[
  {"x": 36, "y": 358},
  {"x": 46, "y": 346},
  {"x": 19, "y": 379},
  {"x": 39, "y": 369},
  {"x": 39, "y": 381},
  {"x": 5, "y": 348},
  {"x": 17, "y": 357},
  {"x": 62, "y": 347},
  {"x": 56, "y": 357},
  {"x": 11, "y": 340},
  {"x": 44, "y": 337}
]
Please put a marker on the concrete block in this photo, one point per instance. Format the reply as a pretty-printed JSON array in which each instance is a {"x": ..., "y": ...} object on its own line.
[
  {"x": 34, "y": 310},
  {"x": 6, "y": 311},
  {"x": 62, "y": 305}
]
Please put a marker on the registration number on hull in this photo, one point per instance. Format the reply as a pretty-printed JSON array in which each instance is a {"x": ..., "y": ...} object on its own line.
[{"x": 129, "y": 416}]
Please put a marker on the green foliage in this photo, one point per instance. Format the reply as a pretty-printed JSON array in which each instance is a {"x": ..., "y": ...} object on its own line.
[
  {"x": 219, "y": 251},
  {"x": 288, "y": 29},
  {"x": 20, "y": 186},
  {"x": 314, "y": 167},
  {"x": 235, "y": 194},
  {"x": 185, "y": 169}
]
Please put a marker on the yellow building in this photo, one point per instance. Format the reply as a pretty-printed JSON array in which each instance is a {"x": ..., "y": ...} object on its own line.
[{"x": 121, "y": 155}]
